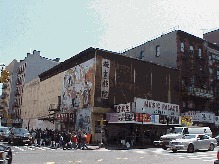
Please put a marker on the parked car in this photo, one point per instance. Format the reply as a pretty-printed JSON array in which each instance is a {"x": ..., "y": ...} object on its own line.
[
  {"x": 5, "y": 154},
  {"x": 19, "y": 135},
  {"x": 192, "y": 142},
  {"x": 4, "y": 133}
]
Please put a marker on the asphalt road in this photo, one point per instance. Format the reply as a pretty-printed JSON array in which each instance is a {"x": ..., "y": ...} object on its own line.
[{"x": 44, "y": 155}]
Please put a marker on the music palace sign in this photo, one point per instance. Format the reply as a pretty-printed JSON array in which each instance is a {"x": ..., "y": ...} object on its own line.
[{"x": 156, "y": 107}]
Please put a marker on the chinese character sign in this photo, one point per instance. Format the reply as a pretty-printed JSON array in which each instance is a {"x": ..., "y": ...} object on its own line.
[{"x": 105, "y": 78}]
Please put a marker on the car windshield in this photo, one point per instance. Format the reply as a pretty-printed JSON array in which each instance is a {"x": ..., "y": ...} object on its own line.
[
  {"x": 177, "y": 130},
  {"x": 21, "y": 131},
  {"x": 188, "y": 136},
  {"x": 3, "y": 129}
]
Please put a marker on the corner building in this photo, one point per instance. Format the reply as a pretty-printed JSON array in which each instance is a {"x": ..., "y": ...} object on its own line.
[{"x": 95, "y": 80}]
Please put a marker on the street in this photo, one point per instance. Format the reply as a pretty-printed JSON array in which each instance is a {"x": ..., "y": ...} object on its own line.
[{"x": 44, "y": 155}]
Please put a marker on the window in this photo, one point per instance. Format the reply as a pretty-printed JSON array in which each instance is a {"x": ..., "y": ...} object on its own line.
[
  {"x": 142, "y": 55},
  {"x": 183, "y": 82},
  {"x": 192, "y": 80},
  {"x": 191, "y": 48},
  {"x": 157, "y": 51},
  {"x": 210, "y": 71},
  {"x": 182, "y": 47},
  {"x": 209, "y": 57},
  {"x": 217, "y": 75},
  {"x": 200, "y": 53}
]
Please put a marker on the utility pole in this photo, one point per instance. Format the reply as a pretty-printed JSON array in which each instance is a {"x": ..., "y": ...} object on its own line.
[{"x": 101, "y": 142}]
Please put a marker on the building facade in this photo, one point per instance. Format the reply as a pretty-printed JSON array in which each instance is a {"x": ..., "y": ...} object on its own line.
[
  {"x": 94, "y": 81},
  {"x": 193, "y": 57},
  {"x": 21, "y": 73}
]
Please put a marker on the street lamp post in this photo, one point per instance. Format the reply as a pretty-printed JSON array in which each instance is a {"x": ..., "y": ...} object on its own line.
[{"x": 101, "y": 142}]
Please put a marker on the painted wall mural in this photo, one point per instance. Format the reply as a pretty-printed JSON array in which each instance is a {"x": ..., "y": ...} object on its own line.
[{"x": 77, "y": 93}]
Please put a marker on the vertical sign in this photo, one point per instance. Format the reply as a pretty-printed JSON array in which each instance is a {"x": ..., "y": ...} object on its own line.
[{"x": 105, "y": 79}]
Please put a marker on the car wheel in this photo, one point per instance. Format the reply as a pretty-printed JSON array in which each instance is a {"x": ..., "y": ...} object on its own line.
[
  {"x": 190, "y": 148},
  {"x": 174, "y": 150},
  {"x": 164, "y": 147},
  {"x": 211, "y": 148}
]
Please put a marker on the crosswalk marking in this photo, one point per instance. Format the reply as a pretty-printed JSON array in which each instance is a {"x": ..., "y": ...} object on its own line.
[{"x": 122, "y": 158}]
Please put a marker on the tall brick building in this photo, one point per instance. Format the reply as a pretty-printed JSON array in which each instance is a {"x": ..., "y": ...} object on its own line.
[{"x": 197, "y": 60}]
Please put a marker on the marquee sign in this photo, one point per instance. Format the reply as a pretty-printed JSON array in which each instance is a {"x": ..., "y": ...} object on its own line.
[
  {"x": 200, "y": 116},
  {"x": 156, "y": 107}
]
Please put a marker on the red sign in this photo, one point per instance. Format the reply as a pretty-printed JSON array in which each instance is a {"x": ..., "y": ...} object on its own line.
[
  {"x": 148, "y": 117},
  {"x": 140, "y": 117},
  {"x": 136, "y": 117}
]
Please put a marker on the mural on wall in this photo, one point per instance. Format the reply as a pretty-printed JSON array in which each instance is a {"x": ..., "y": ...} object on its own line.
[{"x": 78, "y": 88}]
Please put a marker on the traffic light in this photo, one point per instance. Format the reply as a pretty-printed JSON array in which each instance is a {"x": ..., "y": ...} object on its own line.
[
  {"x": 105, "y": 123},
  {"x": 4, "y": 76},
  {"x": 99, "y": 123}
]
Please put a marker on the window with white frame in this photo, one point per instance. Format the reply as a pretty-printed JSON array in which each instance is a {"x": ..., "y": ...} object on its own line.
[
  {"x": 200, "y": 53},
  {"x": 157, "y": 51},
  {"x": 182, "y": 47}
]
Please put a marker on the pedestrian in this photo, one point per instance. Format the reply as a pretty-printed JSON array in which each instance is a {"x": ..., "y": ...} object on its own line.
[
  {"x": 79, "y": 140},
  {"x": 61, "y": 140},
  {"x": 74, "y": 141},
  {"x": 132, "y": 138},
  {"x": 84, "y": 140}
]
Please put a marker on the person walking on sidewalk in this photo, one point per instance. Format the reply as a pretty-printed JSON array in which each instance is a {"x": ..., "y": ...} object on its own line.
[
  {"x": 79, "y": 140},
  {"x": 74, "y": 141},
  {"x": 132, "y": 139},
  {"x": 84, "y": 140},
  {"x": 61, "y": 141}
]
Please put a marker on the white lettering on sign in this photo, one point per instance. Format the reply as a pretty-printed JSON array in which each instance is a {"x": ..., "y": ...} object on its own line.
[{"x": 123, "y": 108}]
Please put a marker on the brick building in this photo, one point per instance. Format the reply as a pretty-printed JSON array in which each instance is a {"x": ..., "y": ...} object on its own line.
[
  {"x": 196, "y": 59},
  {"x": 21, "y": 73},
  {"x": 95, "y": 80}
]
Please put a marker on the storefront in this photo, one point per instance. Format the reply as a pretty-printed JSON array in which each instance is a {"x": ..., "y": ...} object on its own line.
[{"x": 146, "y": 119}]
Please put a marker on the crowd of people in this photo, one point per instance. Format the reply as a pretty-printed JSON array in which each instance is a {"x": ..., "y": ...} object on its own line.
[{"x": 59, "y": 139}]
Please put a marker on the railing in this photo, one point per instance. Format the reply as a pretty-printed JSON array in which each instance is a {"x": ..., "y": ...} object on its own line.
[
  {"x": 16, "y": 104},
  {"x": 18, "y": 82},
  {"x": 4, "y": 95},
  {"x": 17, "y": 93},
  {"x": 20, "y": 70}
]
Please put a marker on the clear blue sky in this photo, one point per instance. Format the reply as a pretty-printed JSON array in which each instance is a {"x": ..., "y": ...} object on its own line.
[{"x": 63, "y": 28}]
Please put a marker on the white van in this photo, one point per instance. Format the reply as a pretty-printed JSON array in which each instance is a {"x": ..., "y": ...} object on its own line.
[{"x": 178, "y": 132}]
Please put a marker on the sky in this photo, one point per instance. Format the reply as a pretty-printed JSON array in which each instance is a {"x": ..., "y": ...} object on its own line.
[{"x": 63, "y": 28}]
